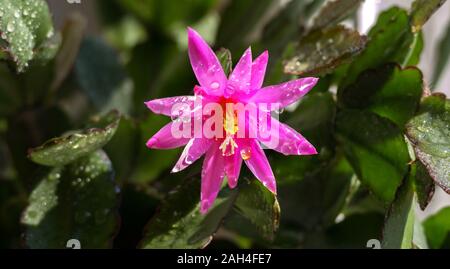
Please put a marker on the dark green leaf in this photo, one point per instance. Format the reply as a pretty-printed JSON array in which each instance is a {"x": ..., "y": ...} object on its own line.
[
  {"x": 437, "y": 229},
  {"x": 315, "y": 202},
  {"x": 414, "y": 49},
  {"x": 398, "y": 228},
  {"x": 25, "y": 25},
  {"x": 423, "y": 184},
  {"x": 355, "y": 231},
  {"x": 334, "y": 12},
  {"x": 443, "y": 55},
  {"x": 321, "y": 51},
  {"x": 77, "y": 201},
  {"x": 179, "y": 223},
  {"x": 422, "y": 10},
  {"x": 376, "y": 149},
  {"x": 260, "y": 206},
  {"x": 389, "y": 91},
  {"x": 429, "y": 133},
  {"x": 390, "y": 33},
  {"x": 102, "y": 77},
  {"x": 63, "y": 150}
]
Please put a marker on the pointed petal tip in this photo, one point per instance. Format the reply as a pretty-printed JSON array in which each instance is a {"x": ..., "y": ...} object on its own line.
[
  {"x": 308, "y": 149},
  {"x": 151, "y": 142}
]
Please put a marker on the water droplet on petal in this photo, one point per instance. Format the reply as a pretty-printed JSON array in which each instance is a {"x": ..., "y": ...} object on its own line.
[{"x": 246, "y": 153}]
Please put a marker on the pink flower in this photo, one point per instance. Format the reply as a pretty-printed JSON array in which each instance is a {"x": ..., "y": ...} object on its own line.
[{"x": 225, "y": 152}]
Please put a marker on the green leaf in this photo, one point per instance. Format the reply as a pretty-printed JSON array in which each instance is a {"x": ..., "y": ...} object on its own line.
[
  {"x": 25, "y": 25},
  {"x": 63, "y": 150},
  {"x": 443, "y": 55},
  {"x": 421, "y": 11},
  {"x": 414, "y": 48},
  {"x": 390, "y": 33},
  {"x": 224, "y": 56},
  {"x": 320, "y": 52},
  {"x": 179, "y": 223},
  {"x": 389, "y": 91},
  {"x": 429, "y": 133},
  {"x": 334, "y": 12},
  {"x": 398, "y": 228},
  {"x": 423, "y": 184},
  {"x": 376, "y": 149},
  {"x": 260, "y": 206},
  {"x": 315, "y": 202},
  {"x": 437, "y": 229},
  {"x": 102, "y": 77},
  {"x": 77, "y": 201}
]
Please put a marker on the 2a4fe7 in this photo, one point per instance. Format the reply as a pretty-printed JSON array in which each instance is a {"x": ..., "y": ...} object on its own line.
[{"x": 246, "y": 258}]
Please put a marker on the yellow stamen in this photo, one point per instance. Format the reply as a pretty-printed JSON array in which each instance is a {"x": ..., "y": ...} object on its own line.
[{"x": 228, "y": 146}]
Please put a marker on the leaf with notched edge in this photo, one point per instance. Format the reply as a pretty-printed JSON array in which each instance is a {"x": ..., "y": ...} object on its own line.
[
  {"x": 179, "y": 224},
  {"x": 320, "y": 52},
  {"x": 429, "y": 133},
  {"x": 389, "y": 91},
  {"x": 63, "y": 150},
  {"x": 376, "y": 149},
  {"x": 78, "y": 201}
]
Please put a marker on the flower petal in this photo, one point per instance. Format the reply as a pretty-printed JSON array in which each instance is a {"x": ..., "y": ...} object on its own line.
[
  {"x": 259, "y": 70},
  {"x": 205, "y": 64},
  {"x": 239, "y": 80},
  {"x": 192, "y": 152},
  {"x": 284, "y": 94},
  {"x": 164, "y": 139},
  {"x": 257, "y": 162},
  {"x": 284, "y": 139},
  {"x": 165, "y": 106},
  {"x": 233, "y": 165},
  {"x": 212, "y": 177}
]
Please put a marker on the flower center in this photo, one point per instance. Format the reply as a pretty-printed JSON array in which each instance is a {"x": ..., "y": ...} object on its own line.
[{"x": 230, "y": 126}]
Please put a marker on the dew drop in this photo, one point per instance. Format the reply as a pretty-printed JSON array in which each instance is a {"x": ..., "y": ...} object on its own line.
[
  {"x": 10, "y": 27},
  {"x": 214, "y": 85},
  {"x": 246, "y": 153}
]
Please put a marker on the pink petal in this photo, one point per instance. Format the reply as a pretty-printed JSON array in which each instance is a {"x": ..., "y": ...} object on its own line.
[
  {"x": 205, "y": 64},
  {"x": 259, "y": 70},
  {"x": 239, "y": 80},
  {"x": 233, "y": 165},
  {"x": 259, "y": 165},
  {"x": 164, "y": 139},
  {"x": 192, "y": 152},
  {"x": 286, "y": 93},
  {"x": 164, "y": 106},
  {"x": 212, "y": 177},
  {"x": 284, "y": 139}
]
